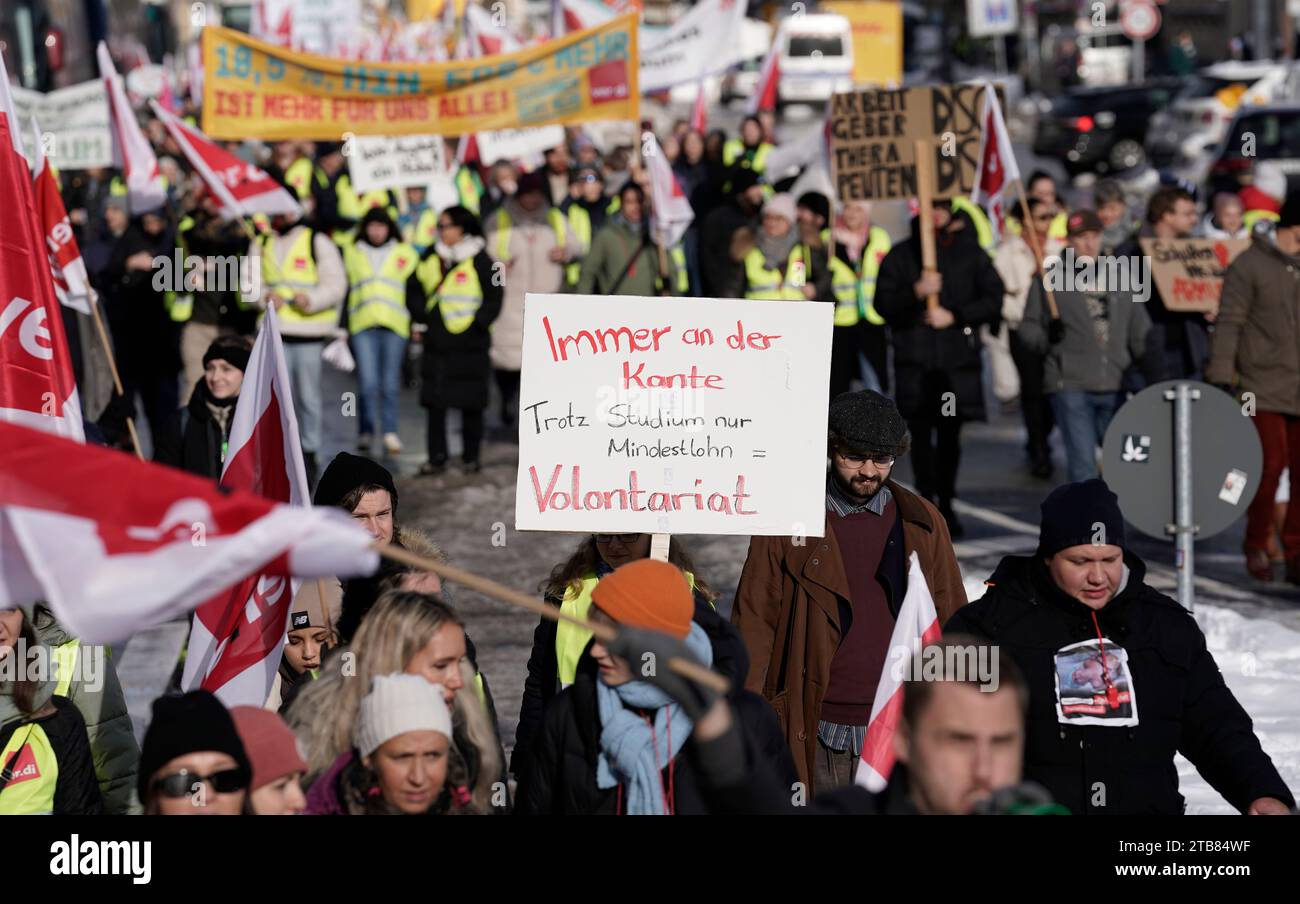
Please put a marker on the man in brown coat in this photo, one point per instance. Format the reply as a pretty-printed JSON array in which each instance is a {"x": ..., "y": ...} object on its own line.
[
  {"x": 1256, "y": 349},
  {"x": 817, "y": 614}
]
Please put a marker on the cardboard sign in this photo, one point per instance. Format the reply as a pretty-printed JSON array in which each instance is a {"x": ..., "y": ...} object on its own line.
[
  {"x": 1189, "y": 272},
  {"x": 252, "y": 89},
  {"x": 378, "y": 163},
  {"x": 76, "y": 117},
  {"x": 658, "y": 415},
  {"x": 873, "y": 135}
]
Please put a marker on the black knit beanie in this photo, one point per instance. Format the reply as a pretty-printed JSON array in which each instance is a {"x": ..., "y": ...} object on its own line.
[
  {"x": 183, "y": 724},
  {"x": 1079, "y": 514},
  {"x": 864, "y": 422},
  {"x": 226, "y": 348},
  {"x": 347, "y": 472}
]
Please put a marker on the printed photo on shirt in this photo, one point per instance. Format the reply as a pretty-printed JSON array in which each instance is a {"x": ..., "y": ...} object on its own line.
[{"x": 1094, "y": 685}]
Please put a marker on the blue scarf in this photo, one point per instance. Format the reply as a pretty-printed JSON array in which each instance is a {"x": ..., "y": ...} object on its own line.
[{"x": 630, "y": 753}]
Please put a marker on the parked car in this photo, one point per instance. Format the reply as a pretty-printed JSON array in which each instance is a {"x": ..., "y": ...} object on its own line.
[
  {"x": 814, "y": 58},
  {"x": 1102, "y": 129},
  {"x": 1199, "y": 118},
  {"x": 1258, "y": 133}
]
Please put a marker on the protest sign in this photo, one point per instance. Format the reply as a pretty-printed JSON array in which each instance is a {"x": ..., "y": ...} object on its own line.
[
  {"x": 376, "y": 163},
  {"x": 517, "y": 144},
  {"x": 1189, "y": 272},
  {"x": 874, "y": 132},
  {"x": 76, "y": 117},
  {"x": 670, "y": 416},
  {"x": 255, "y": 89}
]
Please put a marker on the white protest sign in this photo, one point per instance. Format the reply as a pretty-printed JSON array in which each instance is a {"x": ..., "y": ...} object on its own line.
[
  {"x": 77, "y": 117},
  {"x": 513, "y": 144},
  {"x": 657, "y": 415},
  {"x": 145, "y": 81},
  {"x": 700, "y": 43},
  {"x": 377, "y": 162}
]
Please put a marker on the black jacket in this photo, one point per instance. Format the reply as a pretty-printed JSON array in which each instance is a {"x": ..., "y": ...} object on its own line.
[
  {"x": 972, "y": 291},
  {"x": 1182, "y": 702},
  {"x": 455, "y": 367},
  {"x": 76, "y": 790},
  {"x": 542, "y": 681},
  {"x": 194, "y": 439},
  {"x": 562, "y": 769},
  {"x": 1178, "y": 343},
  {"x": 144, "y": 336}
]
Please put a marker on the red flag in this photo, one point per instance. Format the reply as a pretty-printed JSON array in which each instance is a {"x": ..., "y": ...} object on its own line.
[
  {"x": 997, "y": 163},
  {"x": 242, "y": 188},
  {"x": 700, "y": 112},
  {"x": 764, "y": 97},
  {"x": 67, "y": 268},
  {"x": 130, "y": 148},
  {"x": 916, "y": 628},
  {"x": 37, "y": 385},
  {"x": 116, "y": 544},
  {"x": 237, "y": 636}
]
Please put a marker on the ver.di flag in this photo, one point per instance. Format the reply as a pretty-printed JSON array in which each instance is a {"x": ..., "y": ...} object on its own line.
[
  {"x": 763, "y": 100},
  {"x": 916, "y": 627},
  {"x": 997, "y": 167},
  {"x": 67, "y": 267},
  {"x": 672, "y": 209},
  {"x": 116, "y": 545},
  {"x": 237, "y": 636},
  {"x": 131, "y": 150}
]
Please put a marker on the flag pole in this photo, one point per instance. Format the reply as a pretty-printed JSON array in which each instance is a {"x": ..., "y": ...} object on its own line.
[
  {"x": 925, "y": 199},
  {"x": 112, "y": 366},
  {"x": 1032, "y": 237},
  {"x": 488, "y": 587}
]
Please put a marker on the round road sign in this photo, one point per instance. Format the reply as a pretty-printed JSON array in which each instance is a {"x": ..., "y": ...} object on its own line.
[{"x": 1140, "y": 19}]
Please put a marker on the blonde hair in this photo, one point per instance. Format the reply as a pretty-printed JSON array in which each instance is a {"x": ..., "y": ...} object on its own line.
[{"x": 401, "y": 624}]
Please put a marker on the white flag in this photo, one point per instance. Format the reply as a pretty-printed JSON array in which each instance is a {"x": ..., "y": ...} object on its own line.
[
  {"x": 131, "y": 149},
  {"x": 672, "y": 209},
  {"x": 997, "y": 164}
]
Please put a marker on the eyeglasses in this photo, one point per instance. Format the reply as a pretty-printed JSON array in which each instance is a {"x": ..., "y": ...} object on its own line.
[
  {"x": 184, "y": 783},
  {"x": 446, "y": 225},
  {"x": 857, "y": 461},
  {"x": 622, "y": 538}
]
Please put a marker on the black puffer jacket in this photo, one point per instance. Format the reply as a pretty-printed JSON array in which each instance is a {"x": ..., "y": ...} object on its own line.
[
  {"x": 562, "y": 769},
  {"x": 972, "y": 291},
  {"x": 76, "y": 790},
  {"x": 1182, "y": 702},
  {"x": 195, "y": 439}
]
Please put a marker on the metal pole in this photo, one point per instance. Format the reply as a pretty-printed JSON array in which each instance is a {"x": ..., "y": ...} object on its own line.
[
  {"x": 1185, "y": 527},
  {"x": 1000, "y": 54},
  {"x": 1139, "y": 60}
]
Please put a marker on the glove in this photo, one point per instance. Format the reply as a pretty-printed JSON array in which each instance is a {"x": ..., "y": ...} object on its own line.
[
  {"x": 1056, "y": 330},
  {"x": 639, "y": 646}
]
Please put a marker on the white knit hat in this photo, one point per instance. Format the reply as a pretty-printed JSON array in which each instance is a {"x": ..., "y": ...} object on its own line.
[{"x": 397, "y": 704}]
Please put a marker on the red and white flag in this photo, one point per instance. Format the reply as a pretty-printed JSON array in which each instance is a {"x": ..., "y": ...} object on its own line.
[
  {"x": 237, "y": 636},
  {"x": 38, "y": 387},
  {"x": 117, "y": 545},
  {"x": 917, "y": 627},
  {"x": 997, "y": 164},
  {"x": 764, "y": 97},
  {"x": 131, "y": 150},
  {"x": 67, "y": 267},
  {"x": 672, "y": 209},
  {"x": 700, "y": 112},
  {"x": 242, "y": 188},
  {"x": 492, "y": 38}
]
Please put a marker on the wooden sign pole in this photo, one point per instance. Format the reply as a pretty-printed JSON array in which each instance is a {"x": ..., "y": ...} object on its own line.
[
  {"x": 925, "y": 197},
  {"x": 1027, "y": 228}
]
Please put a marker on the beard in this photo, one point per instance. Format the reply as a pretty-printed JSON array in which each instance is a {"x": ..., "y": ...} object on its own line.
[{"x": 859, "y": 487}]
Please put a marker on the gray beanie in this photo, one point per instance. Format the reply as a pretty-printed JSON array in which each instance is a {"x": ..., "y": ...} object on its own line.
[
  {"x": 866, "y": 421},
  {"x": 397, "y": 704}
]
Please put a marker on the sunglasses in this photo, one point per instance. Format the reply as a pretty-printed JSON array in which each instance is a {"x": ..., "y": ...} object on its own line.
[
  {"x": 857, "y": 461},
  {"x": 185, "y": 783},
  {"x": 622, "y": 538}
]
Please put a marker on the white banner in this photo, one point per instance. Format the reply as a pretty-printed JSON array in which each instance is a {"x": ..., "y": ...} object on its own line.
[
  {"x": 76, "y": 117},
  {"x": 513, "y": 144},
  {"x": 321, "y": 26},
  {"x": 660, "y": 415},
  {"x": 377, "y": 162},
  {"x": 702, "y": 42}
]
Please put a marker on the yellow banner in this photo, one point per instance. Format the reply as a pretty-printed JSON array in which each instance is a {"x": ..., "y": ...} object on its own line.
[
  {"x": 877, "y": 39},
  {"x": 252, "y": 89}
]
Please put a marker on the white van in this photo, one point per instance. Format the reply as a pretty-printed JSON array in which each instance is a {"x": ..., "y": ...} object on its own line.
[{"x": 815, "y": 58}]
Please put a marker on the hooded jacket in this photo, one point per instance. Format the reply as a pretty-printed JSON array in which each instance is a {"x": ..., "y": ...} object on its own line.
[{"x": 1181, "y": 701}]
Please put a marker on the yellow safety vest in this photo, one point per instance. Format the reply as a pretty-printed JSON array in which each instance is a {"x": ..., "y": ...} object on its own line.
[
  {"x": 180, "y": 305},
  {"x": 35, "y": 772},
  {"x": 878, "y": 245},
  {"x": 299, "y": 176},
  {"x": 734, "y": 150},
  {"x": 424, "y": 233},
  {"x": 580, "y": 223},
  {"x": 352, "y": 206},
  {"x": 379, "y": 299},
  {"x": 504, "y": 224},
  {"x": 762, "y": 283},
  {"x": 678, "y": 255},
  {"x": 983, "y": 229},
  {"x": 65, "y": 665},
  {"x": 1251, "y": 217},
  {"x": 1057, "y": 229},
  {"x": 570, "y": 639},
  {"x": 459, "y": 297},
  {"x": 469, "y": 188},
  {"x": 296, "y": 274}
]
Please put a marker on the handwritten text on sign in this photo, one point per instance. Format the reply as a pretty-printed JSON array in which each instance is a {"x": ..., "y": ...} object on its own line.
[
  {"x": 1189, "y": 272},
  {"x": 255, "y": 89},
  {"x": 673, "y": 416}
]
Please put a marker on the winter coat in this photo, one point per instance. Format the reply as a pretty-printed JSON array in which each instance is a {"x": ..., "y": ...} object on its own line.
[
  {"x": 456, "y": 367},
  {"x": 144, "y": 336},
  {"x": 1257, "y": 335},
  {"x": 792, "y": 600},
  {"x": 195, "y": 438},
  {"x": 720, "y": 275},
  {"x": 611, "y": 249},
  {"x": 76, "y": 790},
  {"x": 972, "y": 291},
  {"x": 1016, "y": 266},
  {"x": 542, "y": 682},
  {"x": 562, "y": 770},
  {"x": 1182, "y": 703},
  {"x": 529, "y": 268},
  {"x": 1078, "y": 363},
  {"x": 1179, "y": 333},
  {"x": 212, "y": 237},
  {"x": 113, "y": 748}
]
